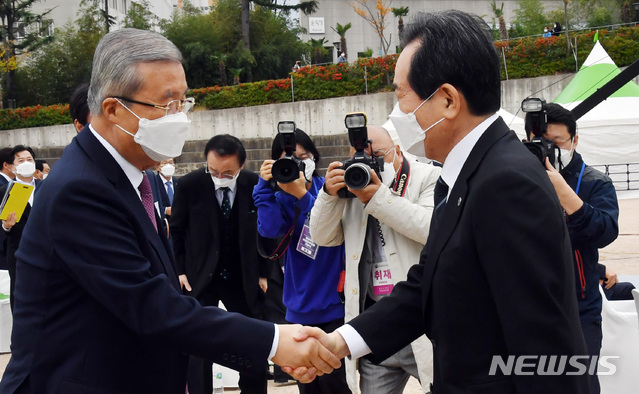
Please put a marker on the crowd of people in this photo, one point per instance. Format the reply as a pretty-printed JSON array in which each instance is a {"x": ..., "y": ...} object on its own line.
[{"x": 429, "y": 270}]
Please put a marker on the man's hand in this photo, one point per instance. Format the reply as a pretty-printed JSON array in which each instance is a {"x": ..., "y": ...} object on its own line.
[
  {"x": 301, "y": 350},
  {"x": 265, "y": 169},
  {"x": 10, "y": 222},
  {"x": 334, "y": 179},
  {"x": 365, "y": 194},
  {"x": 297, "y": 188},
  {"x": 333, "y": 342},
  {"x": 184, "y": 282},
  {"x": 263, "y": 282},
  {"x": 611, "y": 279},
  {"x": 568, "y": 199},
  {"x": 167, "y": 211}
]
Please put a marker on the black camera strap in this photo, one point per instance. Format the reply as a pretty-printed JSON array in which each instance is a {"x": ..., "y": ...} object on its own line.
[{"x": 400, "y": 182}]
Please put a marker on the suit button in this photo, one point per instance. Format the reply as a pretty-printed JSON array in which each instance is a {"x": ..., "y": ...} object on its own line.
[
  {"x": 233, "y": 359},
  {"x": 211, "y": 275},
  {"x": 355, "y": 257},
  {"x": 240, "y": 361},
  {"x": 390, "y": 200},
  {"x": 225, "y": 357},
  {"x": 354, "y": 291}
]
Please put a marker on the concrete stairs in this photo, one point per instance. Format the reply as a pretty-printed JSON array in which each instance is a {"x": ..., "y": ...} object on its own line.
[{"x": 331, "y": 148}]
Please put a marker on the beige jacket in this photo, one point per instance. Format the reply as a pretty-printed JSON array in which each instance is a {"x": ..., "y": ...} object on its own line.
[{"x": 404, "y": 221}]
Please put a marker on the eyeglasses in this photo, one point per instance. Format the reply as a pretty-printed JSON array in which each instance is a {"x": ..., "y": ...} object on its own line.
[
  {"x": 380, "y": 153},
  {"x": 216, "y": 174},
  {"x": 172, "y": 107}
]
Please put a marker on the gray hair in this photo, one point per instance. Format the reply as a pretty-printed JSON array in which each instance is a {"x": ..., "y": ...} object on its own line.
[{"x": 115, "y": 63}]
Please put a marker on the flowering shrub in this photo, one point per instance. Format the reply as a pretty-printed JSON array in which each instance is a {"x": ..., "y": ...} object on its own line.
[{"x": 34, "y": 116}]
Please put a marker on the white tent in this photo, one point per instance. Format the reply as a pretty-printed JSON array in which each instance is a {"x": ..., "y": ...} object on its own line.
[{"x": 609, "y": 133}]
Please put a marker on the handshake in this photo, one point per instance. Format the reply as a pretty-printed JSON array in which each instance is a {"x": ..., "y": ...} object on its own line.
[{"x": 306, "y": 352}]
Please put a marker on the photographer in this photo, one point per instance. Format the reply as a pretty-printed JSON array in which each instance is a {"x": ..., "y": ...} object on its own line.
[
  {"x": 311, "y": 272},
  {"x": 590, "y": 203},
  {"x": 384, "y": 230}
]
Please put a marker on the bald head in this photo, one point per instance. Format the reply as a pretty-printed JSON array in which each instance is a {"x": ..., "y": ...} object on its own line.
[{"x": 383, "y": 145}]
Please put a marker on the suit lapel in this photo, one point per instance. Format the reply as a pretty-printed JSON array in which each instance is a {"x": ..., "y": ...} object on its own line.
[
  {"x": 114, "y": 174},
  {"x": 456, "y": 201}
]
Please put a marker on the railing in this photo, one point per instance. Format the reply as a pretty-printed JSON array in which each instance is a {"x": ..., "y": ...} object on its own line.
[{"x": 624, "y": 176}]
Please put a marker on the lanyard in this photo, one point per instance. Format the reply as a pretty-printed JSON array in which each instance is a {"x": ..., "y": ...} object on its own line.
[{"x": 581, "y": 174}]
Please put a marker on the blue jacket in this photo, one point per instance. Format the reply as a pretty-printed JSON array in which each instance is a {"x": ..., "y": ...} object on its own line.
[
  {"x": 591, "y": 227},
  {"x": 310, "y": 286}
]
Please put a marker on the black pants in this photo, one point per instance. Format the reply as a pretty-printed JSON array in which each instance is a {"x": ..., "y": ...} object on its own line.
[
  {"x": 200, "y": 378},
  {"x": 333, "y": 383},
  {"x": 593, "y": 336}
]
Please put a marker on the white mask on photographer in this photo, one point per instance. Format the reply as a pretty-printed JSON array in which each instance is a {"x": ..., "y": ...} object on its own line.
[
  {"x": 168, "y": 170},
  {"x": 162, "y": 138},
  {"x": 411, "y": 134},
  {"x": 389, "y": 170},
  {"x": 309, "y": 169},
  {"x": 26, "y": 169},
  {"x": 565, "y": 155},
  {"x": 225, "y": 182}
]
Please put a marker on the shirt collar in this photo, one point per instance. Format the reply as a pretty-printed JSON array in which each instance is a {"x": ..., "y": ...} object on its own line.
[
  {"x": 459, "y": 154},
  {"x": 32, "y": 183},
  {"x": 133, "y": 173},
  {"x": 6, "y": 176}
]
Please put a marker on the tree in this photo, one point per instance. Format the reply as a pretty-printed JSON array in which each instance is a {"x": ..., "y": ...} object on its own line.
[
  {"x": 307, "y": 7},
  {"x": 317, "y": 49},
  {"x": 499, "y": 14},
  {"x": 529, "y": 18},
  {"x": 400, "y": 13},
  {"x": 51, "y": 73},
  {"x": 375, "y": 19},
  {"x": 341, "y": 31},
  {"x": 140, "y": 16},
  {"x": 7, "y": 63},
  {"x": 21, "y": 31}
]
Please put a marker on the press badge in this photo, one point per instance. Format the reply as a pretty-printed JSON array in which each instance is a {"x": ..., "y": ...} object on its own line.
[
  {"x": 382, "y": 279},
  {"x": 305, "y": 245}
]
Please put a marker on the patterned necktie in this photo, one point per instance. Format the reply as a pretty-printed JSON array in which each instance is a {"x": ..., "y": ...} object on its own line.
[
  {"x": 169, "y": 192},
  {"x": 226, "y": 203},
  {"x": 147, "y": 199},
  {"x": 441, "y": 191}
]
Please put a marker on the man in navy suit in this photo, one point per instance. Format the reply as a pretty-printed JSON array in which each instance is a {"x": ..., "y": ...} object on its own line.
[
  {"x": 165, "y": 184},
  {"x": 494, "y": 282},
  {"x": 98, "y": 306},
  {"x": 6, "y": 176}
]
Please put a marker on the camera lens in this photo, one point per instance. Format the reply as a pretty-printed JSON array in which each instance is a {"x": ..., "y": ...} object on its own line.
[
  {"x": 357, "y": 176},
  {"x": 285, "y": 170}
]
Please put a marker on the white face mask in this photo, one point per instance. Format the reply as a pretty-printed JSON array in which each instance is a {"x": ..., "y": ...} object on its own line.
[
  {"x": 225, "y": 182},
  {"x": 25, "y": 169},
  {"x": 162, "y": 138},
  {"x": 309, "y": 169},
  {"x": 565, "y": 156},
  {"x": 389, "y": 171},
  {"x": 168, "y": 170},
  {"x": 409, "y": 131}
]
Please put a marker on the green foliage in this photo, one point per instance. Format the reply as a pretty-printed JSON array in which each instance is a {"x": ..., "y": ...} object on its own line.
[
  {"x": 140, "y": 16},
  {"x": 529, "y": 19},
  {"x": 309, "y": 83},
  {"x": 536, "y": 56},
  {"x": 600, "y": 16},
  {"x": 21, "y": 118},
  {"x": 50, "y": 74}
]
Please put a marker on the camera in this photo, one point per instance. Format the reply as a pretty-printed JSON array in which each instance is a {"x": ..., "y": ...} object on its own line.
[
  {"x": 357, "y": 173},
  {"x": 287, "y": 169},
  {"x": 536, "y": 123}
]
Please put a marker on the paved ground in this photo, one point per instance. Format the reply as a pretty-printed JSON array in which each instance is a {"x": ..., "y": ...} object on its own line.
[{"x": 622, "y": 256}]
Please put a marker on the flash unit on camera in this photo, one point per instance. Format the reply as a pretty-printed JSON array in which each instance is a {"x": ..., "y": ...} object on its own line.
[
  {"x": 355, "y": 119},
  {"x": 533, "y": 104},
  {"x": 286, "y": 127}
]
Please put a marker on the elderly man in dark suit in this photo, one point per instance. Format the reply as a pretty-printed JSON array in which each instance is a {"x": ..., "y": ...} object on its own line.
[
  {"x": 98, "y": 306},
  {"x": 214, "y": 231},
  {"x": 494, "y": 282}
]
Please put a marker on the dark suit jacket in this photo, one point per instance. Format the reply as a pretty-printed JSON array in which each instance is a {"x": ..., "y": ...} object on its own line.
[
  {"x": 98, "y": 307},
  {"x": 196, "y": 239},
  {"x": 160, "y": 191},
  {"x": 494, "y": 279}
]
